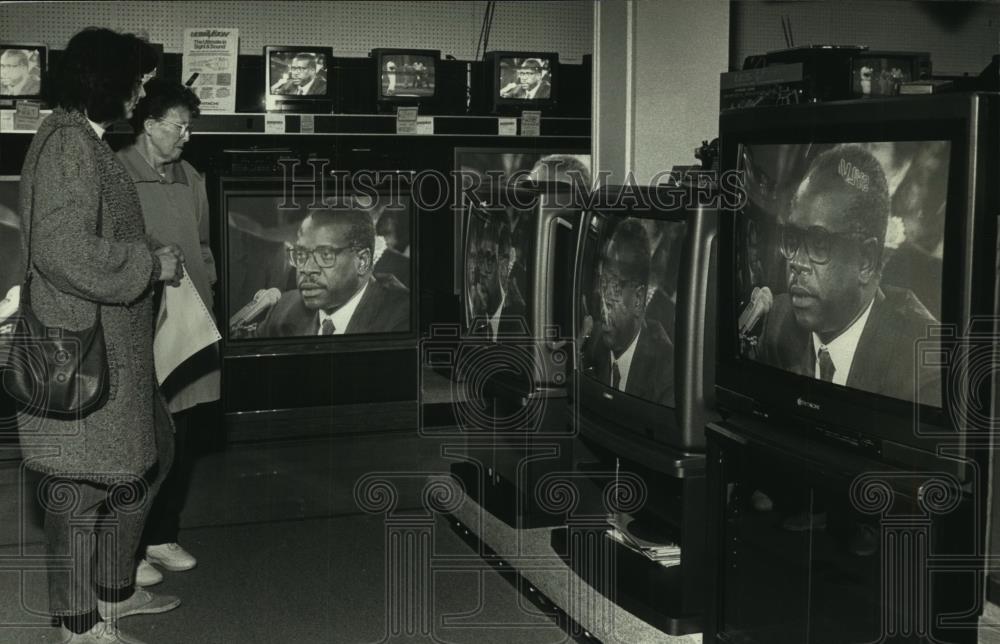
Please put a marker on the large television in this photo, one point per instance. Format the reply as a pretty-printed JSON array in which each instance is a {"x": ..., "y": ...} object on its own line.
[
  {"x": 298, "y": 79},
  {"x": 521, "y": 80},
  {"x": 851, "y": 272},
  {"x": 23, "y": 71},
  {"x": 644, "y": 315},
  {"x": 406, "y": 76},
  {"x": 11, "y": 269},
  {"x": 315, "y": 275}
]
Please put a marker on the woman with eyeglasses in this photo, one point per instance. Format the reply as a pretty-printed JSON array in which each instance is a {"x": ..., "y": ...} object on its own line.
[
  {"x": 175, "y": 207},
  {"x": 90, "y": 259}
]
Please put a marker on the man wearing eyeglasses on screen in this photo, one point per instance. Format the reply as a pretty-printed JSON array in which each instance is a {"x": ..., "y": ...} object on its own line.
[
  {"x": 837, "y": 322},
  {"x": 302, "y": 79},
  {"x": 338, "y": 292},
  {"x": 495, "y": 299},
  {"x": 623, "y": 348}
]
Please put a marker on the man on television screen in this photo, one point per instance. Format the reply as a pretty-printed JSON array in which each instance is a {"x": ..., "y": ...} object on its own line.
[
  {"x": 625, "y": 350},
  {"x": 837, "y": 322},
  {"x": 338, "y": 292},
  {"x": 496, "y": 301},
  {"x": 302, "y": 79},
  {"x": 530, "y": 82},
  {"x": 15, "y": 75}
]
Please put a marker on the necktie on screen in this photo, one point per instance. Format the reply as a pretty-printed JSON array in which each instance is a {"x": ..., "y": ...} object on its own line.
[
  {"x": 327, "y": 327},
  {"x": 826, "y": 368},
  {"x": 616, "y": 375},
  {"x": 302, "y": 91}
]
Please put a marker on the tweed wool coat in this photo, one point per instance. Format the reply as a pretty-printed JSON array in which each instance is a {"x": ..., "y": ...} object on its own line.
[{"x": 70, "y": 175}]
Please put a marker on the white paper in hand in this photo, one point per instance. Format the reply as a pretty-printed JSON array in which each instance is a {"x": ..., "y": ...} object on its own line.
[{"x": 183, "y": 328}]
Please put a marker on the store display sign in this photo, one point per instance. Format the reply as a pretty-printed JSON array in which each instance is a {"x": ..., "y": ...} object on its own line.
[{"x": 210, "y": 56}]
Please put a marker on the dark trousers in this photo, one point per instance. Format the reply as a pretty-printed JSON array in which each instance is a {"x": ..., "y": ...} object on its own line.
[
  {"x": 92, "y": 532},
  {"x": 163, "y": 524}
]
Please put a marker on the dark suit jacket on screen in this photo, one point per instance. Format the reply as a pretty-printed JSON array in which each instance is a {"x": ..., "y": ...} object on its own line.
[
  {"x": 544, "y": 91},
  {"x": 884, "y": 362},
  {"x": 384, "y": 308},
  {"x": 318, "y": 88},
  {"x": 651, "y": 376}
]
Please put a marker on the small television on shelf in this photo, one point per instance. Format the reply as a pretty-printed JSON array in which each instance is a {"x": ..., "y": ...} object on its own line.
[
  {"x": 298, "y": 79},
  {"x": 519, "y": 81},
  {"x": 315, "y": 275},
  {"x": 644, "y": 315},
  {"x": 855, "y": 273},
  {"x": 519, "y": 230},
  {"x": 406, "y": 76},
  {"x": 23, "y": 72}
]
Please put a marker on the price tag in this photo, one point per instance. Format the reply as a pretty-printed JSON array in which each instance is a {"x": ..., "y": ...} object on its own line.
[
  {"x": 425, "y": 125},
  {"x": 531, "y": 123},
  {"x": 26, "y": 115},
  {"x": 507, "y": 126},
  {"x": 307, "y": 124},
  {"x": 406, "y": 120},
  {"x": 6, "y": 121},
  {"x": 274, "y": 123}
]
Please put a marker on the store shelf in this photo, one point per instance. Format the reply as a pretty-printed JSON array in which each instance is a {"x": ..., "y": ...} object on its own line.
[{"x": 349, "y": 125}]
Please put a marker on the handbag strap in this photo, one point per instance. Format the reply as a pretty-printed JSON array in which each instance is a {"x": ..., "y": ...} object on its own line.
[{"x": 26, "y": 290}]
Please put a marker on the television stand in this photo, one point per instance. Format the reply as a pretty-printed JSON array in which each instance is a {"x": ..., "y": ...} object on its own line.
[
  {"x": 668, "y": 597},
  {"x": 882, "y": 564}
]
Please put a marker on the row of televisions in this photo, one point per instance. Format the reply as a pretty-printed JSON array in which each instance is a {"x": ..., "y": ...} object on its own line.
[
  {"x": 656, "y": 306},
  {"x": 301, "y": 78}
]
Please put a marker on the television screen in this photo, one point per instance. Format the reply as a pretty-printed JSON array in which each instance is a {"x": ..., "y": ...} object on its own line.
[
  {"x": 525, "y": 79},
  {"x": 627, "y": 306},
  {"x": 22, "y": 69},
  {"x": 880, "y": 75},
  {"x": 11, "y": 271},
  {"x": 298, "y": 79},
  {"x": 499, "y": 256},
  {"x": 839, "y": 255},
  {"x": 482, "y": 178},
  {"x": 298, "y": 273},
  {"x": 406, "y": 75}
]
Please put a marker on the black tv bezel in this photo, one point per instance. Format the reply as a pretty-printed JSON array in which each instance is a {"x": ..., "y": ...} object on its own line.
[
  {"x": 515, "y": 105},
  {"x": 657, "y": 436},
  {"x": 43, "y": 80},
  {"x": 267, "y": 186},
  {"x": 889, "y": 427},
  {"x": 294, "y": 103},
  {"x": 420, "y": 101}
]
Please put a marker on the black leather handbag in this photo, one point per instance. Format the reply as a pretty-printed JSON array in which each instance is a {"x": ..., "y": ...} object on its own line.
[{"x": 54, "y": 372}]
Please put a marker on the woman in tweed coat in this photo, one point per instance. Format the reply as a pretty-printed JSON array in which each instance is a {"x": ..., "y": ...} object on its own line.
[{"x": 89, "y": 252}]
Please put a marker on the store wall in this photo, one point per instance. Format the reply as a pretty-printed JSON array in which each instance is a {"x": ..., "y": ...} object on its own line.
[
  {"x": 351, "y": 28},
  {"x": 656, "y": 88}
]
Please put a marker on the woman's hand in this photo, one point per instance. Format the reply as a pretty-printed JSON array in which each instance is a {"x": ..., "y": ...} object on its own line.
[{"x": 171, "y": 264}]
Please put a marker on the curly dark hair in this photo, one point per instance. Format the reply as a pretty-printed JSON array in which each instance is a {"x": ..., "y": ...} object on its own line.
[
  {"x": 360, "y": 231},
  {"x": 162, "y": 96},
  {"x": 99, "y": 71}
]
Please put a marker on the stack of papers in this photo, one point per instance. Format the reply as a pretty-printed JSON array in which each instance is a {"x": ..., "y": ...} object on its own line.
[{"x": 666, "y": 554}]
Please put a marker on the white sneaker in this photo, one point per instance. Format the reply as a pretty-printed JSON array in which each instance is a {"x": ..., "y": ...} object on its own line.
[
  {"x": 171, "y": 556},
  {"x": 142, "y": 602},
  {"x": 101, "y": 633},
  {"x": 146, "y": 574}
]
